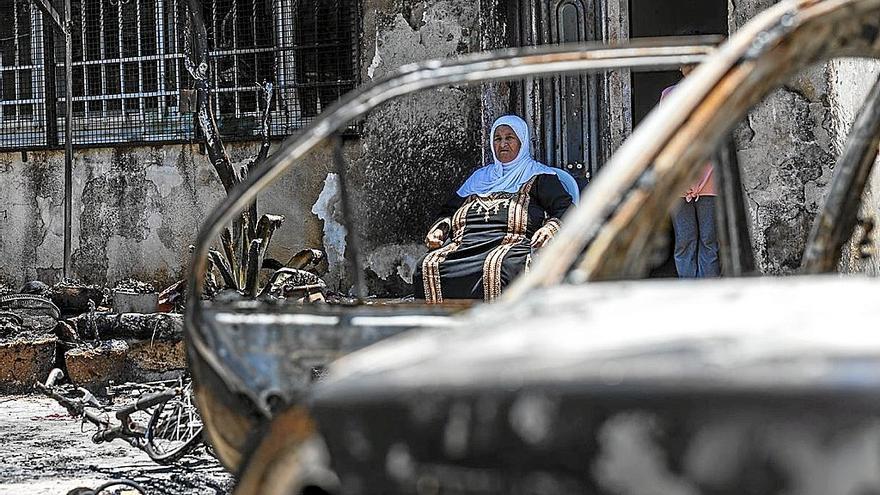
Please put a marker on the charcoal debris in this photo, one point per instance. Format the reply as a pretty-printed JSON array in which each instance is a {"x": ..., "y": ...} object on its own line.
[{"x": 136, "y": 286}]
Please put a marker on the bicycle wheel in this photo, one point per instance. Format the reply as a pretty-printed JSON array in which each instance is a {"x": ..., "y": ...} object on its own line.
[{"x": 175, "y": 428}]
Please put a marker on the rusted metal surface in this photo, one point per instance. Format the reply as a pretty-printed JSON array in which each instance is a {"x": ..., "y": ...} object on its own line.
[
  {"x": 834, "y": 225},
  {"x": 608, "y": 403}
]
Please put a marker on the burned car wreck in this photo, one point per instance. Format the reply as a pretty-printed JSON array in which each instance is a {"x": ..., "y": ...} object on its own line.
[{"x": 576, "y": 381}]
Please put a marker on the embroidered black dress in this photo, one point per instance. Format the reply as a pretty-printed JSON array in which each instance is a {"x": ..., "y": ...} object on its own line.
[{"x": 488, "y": 240}]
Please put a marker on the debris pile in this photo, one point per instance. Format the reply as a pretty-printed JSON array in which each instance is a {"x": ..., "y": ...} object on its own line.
[
  {"x": 73, "y": 298},
  {"x": 130, "y": 332},
  {"x": 73, "y": 326}
]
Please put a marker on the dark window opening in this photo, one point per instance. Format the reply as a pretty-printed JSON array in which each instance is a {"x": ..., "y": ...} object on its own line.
[{"x": 653, "y": 18}]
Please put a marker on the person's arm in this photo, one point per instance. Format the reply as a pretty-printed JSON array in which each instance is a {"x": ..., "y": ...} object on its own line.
[
  {"x": 704, "y": 181},
  {"x": 555, "y": 201},
  {"x": 693, "y": 193},
  {"x": 439, "y": 231}
]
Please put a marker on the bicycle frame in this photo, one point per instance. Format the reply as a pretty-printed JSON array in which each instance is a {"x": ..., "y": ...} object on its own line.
[{"x": 131, "y": 432}]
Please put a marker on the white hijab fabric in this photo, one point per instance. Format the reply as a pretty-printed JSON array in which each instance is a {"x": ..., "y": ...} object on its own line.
[{"x": 509, "y": 177}]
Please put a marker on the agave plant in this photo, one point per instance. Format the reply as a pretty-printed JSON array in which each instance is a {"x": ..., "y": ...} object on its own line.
[
  {"x": 243, "y": 252},
  {"x": 244, "y": 245}
]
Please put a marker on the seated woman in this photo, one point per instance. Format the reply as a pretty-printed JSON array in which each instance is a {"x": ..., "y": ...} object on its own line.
[{"x": 487, "y": 231}]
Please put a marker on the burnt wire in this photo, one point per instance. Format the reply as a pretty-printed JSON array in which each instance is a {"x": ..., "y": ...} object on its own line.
[{"x": 106, "y": 486}]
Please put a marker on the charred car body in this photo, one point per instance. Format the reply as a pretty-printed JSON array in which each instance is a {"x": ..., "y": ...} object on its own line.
[{"x": 569, "y": 385}]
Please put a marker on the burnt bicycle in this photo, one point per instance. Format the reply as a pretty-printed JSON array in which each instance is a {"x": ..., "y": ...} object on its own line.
[{"x": 163, "y": 422}]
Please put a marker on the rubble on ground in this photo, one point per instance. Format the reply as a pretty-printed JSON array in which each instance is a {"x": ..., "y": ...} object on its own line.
[
  {"x": 100, "y": 335},
  {"x": 136, "y": 286},
  {"x": 70, "y": 324},
  {"x": 46, "y": 452}
]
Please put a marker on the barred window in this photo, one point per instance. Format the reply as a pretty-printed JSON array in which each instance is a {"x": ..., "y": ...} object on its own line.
[
  {"x": 130, "y": 83},
  {"x": 125, "y": 78},
  {"x": 22, "y": 101}
]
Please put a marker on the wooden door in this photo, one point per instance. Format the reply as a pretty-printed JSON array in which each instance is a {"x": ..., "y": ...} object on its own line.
[{"x": 563, "y": 111}]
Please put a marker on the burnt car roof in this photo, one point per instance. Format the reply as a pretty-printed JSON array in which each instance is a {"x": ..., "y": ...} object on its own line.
[{"x": 722, "y": 335}]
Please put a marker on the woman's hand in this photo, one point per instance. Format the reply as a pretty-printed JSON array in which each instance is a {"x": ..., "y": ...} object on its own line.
[
  {"x": 435, "y": 239},
  {"x": 542, "y": 237}
]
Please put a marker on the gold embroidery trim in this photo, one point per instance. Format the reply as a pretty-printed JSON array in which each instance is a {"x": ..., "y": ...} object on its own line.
[
  {"x": 431, "y": 263},
  {"x": 447, "y": 222},
  {"x": 517, "y": 223},
  {"x": 553, "y": 225}
]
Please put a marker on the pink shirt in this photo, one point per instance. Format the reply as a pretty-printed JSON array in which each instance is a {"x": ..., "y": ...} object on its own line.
[{"x": 705, "y": 185}]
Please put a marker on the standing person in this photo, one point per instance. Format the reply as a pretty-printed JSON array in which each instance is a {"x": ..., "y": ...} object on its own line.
[
  {"x": 693, "y": 221},
  {"x": 487, "y": 231}
]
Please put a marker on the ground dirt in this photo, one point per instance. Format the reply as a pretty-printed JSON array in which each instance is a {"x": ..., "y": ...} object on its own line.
[{"x": 44, "y": 451}]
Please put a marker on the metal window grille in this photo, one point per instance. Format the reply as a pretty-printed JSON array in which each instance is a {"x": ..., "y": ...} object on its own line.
[
  {"x": 122, "y": 91},
  {"x": 130, "y": 82},
  {"x": 316, "y": 57},
  {"x": 22, "y": 99}
]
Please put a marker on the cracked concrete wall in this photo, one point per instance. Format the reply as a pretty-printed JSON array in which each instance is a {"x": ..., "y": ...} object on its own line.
[
  {"x": 787, "y": 152},
  {"x": 31, "y": 198},
  {"x": 849, "y": 81},
  {"x": 788, "y": 147},
  {"x": 136, "y": 211}
]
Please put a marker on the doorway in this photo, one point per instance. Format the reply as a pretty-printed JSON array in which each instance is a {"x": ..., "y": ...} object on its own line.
[{"x": 654, "y": 18}]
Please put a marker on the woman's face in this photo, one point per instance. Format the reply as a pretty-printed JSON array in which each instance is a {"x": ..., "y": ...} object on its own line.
[{"x": 506, "y": 144}]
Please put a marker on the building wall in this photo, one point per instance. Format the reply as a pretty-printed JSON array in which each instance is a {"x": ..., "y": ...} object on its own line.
[
  {"x": 136, "y": 210},
  {"x": 849, "y": 82},
  {"x": 419, "y": 148},
  {"x": 786, "y": 150}
]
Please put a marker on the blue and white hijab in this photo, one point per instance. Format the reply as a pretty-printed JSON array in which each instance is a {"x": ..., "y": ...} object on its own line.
[{"x": 509, "y": 177}]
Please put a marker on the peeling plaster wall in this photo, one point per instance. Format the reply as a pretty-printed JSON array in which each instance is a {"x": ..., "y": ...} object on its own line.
[
  {"x": 417, "y": 149},
  {"x": 787, "y": 152},
  {"x": 787, "y": 156},
  {"x": 788, "y": 148},
  {"x": 849, "y": 81},
  {"x": 31, "y": 214},
  {"x": 135, "y": 211}
]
